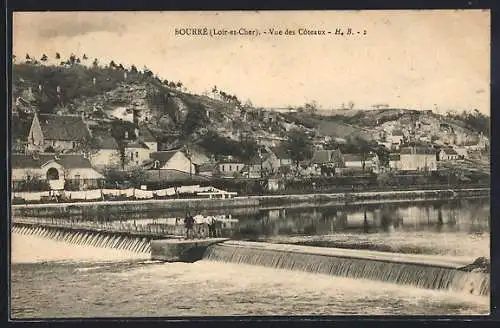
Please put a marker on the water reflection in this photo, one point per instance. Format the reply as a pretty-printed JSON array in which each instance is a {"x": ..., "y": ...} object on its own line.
[{"x": 464, "y": 215}]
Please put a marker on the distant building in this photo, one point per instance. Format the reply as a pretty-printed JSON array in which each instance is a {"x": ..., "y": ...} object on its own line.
[
  {"x": 462, "y": 152},
  {"x": 418, "y": 159},
  {"x": 136, "y": 153},
  {"x": 278, "y": 157},
  {"x": 447, "y": 154},
  {"x": 396, "y": 138},
  {"x": 228, "y": 166},
  {"x": 55, "y": 169},
  {"x": 171, "y": 160},
  {"x": 394, "y": 161},
  {"x": 59, "y": 132},
  {"x": 107, "y": 152}
]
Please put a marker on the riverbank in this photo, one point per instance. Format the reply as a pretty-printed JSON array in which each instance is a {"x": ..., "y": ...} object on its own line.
[{"x": 105, "y": 208}]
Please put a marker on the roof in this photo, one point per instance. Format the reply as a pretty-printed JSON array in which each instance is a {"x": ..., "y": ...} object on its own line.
[
  {"x": 280, "y": 152},
  {"x": 20, "y": 128},
  {"x": 105, "y": 140},
  {"x": 397, "y": 133},
  {"x": 68, "y": 161},
  {"x": 322, "y": 156},
  {"x": 136, "y": 144},
  {"x": 450, "y": 151},
  {"x": 164, "y": 156},
  {"x": 229, "y": 159},
  {"x": 353, "y": 158},
  {"x": 145, "y": 135},
  {"x": 206, "y": 167},
  {"x": 63, "y": 127},
  {"x": 417, "y": 151},
  {"x": 394, "y": 157},
  {"x": 171, "y": 176}
]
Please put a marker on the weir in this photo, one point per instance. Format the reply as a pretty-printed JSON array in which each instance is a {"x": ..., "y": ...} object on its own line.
[
  {"x": 429, "y": 272},
  {"x": 422, "y": 271},
  {"x": 85, "y": 237}
]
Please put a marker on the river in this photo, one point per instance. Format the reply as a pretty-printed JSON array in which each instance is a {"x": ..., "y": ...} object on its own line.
[{"x": 52, "y": 279}]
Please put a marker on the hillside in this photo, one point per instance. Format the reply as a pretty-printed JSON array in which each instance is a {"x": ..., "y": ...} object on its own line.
[{"x": 113, "y": 93}]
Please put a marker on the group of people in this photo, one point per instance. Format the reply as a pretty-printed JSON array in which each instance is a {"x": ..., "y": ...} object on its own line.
[{"x": 214, "y": 227}]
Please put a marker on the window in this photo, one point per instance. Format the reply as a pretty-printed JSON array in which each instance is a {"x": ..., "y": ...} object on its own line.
[
  {"x": 136, "y": 154},
  {"x": 54, "y": 143},
  {"x": 223, "y": 168},
  {"x": 157, "y": 164},
  {"x": 74, "y": 144},
  {"x": 77, "y": 177},
  {"x": 131, "y": 156},
  {"x": 230, "y": 167}
]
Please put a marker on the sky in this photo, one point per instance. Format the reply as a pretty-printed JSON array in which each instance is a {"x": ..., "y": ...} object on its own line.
[{"x": 438, "y": 60}]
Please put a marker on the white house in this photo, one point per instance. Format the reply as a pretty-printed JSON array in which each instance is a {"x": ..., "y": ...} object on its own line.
[
  {"x": 55, "y": 169},
  {"x": 107, "y": 153},
  {"x": 228, "y": 166},
  {"x": 448, "y": 154},
  {"x": 136, "y": 154},
  {"x": 418, "y": 159},
  {"x": 171, "y": 160}
]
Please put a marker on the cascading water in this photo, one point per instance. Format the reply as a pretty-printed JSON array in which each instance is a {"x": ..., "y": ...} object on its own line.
[
  {"x": 88, "y": 238},
  {"x": 406, "y": 273}
]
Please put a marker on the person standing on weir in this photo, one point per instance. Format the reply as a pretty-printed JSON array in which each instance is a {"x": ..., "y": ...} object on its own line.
[{"x": 189, "y": 224}]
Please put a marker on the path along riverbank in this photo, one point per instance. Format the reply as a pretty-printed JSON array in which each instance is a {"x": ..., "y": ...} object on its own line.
[{"x": 99, "y": 208}]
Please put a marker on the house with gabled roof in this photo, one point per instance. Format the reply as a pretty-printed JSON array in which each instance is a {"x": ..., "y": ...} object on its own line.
[
  {"x": 170, "y": 160},
  {"x": 136, "y": 153},
  {"x": 55, "y": 169},
  {"x": 61, "y": 133},
  {"x": 106, "y": 152}
]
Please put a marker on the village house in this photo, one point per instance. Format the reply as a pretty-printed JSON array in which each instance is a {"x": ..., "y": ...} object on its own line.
[
  {"x": 396, "y": 138},
  {"x": 229, "y": 166},
  {"x": 394, "y": 161},
  {"x": 462, "y": 152},
  {"x": 418, "y": 159},
  {"x": 206, "y": 169},
  {"x": 365, "y": 162},
  {"x": 107, "y": 152},
  {"x": 20, "y": 127},
  {"x": 55, "y": 169},
  {"x": 447, "y": 154},
  {"x": 139, "y": 145},
  {"x": 136, "y": 153},
  {"x": 276, "y": 158},
  {"x": 171, "y": 160},
  {"x": 57, "y": 133}
]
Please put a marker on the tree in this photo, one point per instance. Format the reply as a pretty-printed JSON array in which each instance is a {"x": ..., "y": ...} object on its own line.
[
  {"x": 172, "y": 85},
  {"x": 137, "y": 176},
  {"x": 58, "y": 55},
  {"x": 299, "y": 146},
  {"x": 44, "y": 58},
  {"x": 179, "y": 84},
  {"x": 95, "y": 63},
  {"x": 249, "y": 149},
  {"x": 28, "y": 57},
  {"x": 84, "y": 57},
  {"x": 72, "y": 59},
  {"x": 112, "y": 64}
]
